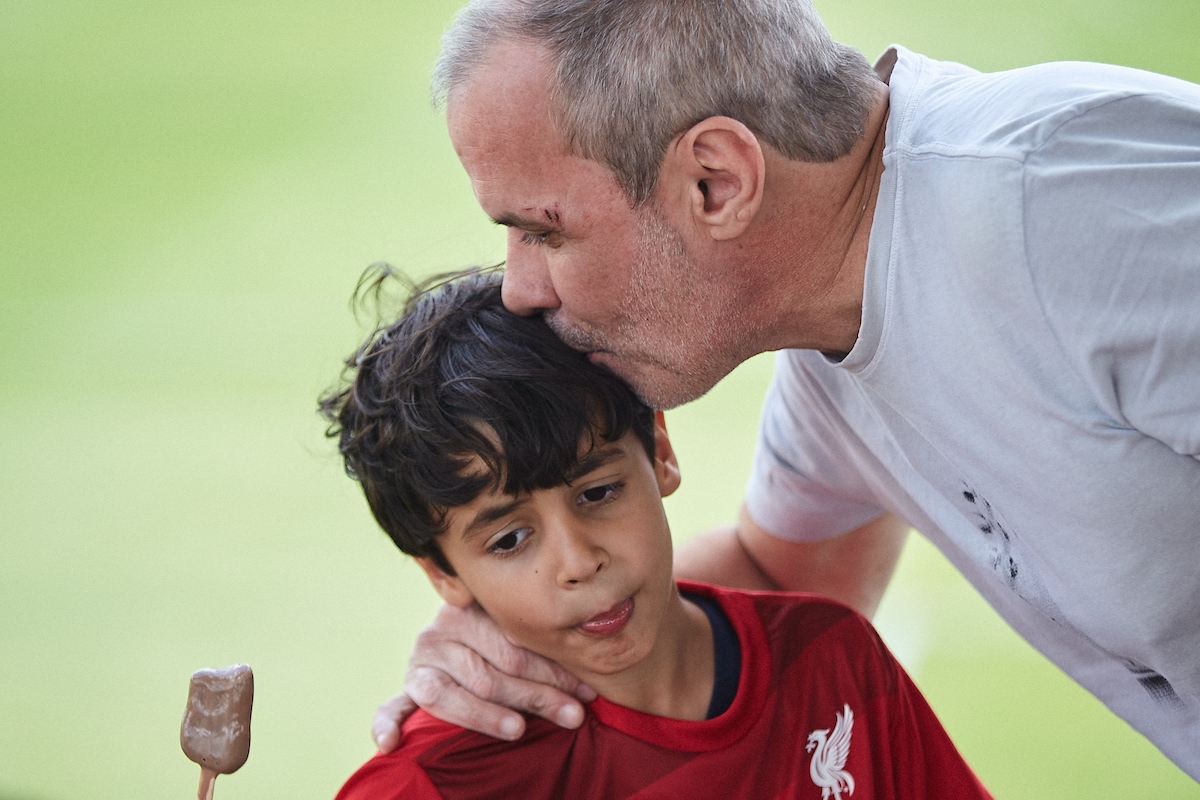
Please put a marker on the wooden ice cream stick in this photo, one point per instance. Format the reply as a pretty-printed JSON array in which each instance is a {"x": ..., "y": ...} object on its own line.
[{"x": 208, "y": 781}]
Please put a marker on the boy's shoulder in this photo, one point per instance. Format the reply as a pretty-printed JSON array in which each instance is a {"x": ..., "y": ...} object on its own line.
[
  {"x": 438, "y": 759},
  {"x": 799, "y": 618},
  {"x": 804, "y": 602}
]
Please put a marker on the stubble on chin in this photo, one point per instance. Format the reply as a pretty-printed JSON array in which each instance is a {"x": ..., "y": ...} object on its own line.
[
  {"x": 665, "y": 302},
  {"x": 602, "y": 353},
  {"x": 572, "y": 336},
  {"x": 667, "y": 353}
]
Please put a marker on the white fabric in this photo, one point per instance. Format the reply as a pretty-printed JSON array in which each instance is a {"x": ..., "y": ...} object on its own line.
[{"x": 1025, "y": 388}]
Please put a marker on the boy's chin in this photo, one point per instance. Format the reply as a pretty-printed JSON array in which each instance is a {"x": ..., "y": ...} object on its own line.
[{"x": 610, "y": 656}]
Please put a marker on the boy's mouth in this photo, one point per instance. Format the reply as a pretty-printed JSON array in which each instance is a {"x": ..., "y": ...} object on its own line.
[{"x": 612, "y": 621}]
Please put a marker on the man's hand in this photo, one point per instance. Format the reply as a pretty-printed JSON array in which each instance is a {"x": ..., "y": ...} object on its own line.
[{"x": 463, "y": 670}]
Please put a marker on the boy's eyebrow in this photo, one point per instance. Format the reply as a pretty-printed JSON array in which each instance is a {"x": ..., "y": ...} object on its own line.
[
  {"x": 490, "y": 514},
  {"x": 594, "y": 460}
]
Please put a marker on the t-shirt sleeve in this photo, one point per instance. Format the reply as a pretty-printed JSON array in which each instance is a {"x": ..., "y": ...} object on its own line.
[
  {"x": 804, "y": 484},
  {"x": 1113, "y": 241},
  {"x": 390, "y": 777}
]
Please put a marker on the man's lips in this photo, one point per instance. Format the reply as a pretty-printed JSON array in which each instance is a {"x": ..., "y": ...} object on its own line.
[
  {"x": 612, "y": 621},
  {"x": 573, "y": 337}
]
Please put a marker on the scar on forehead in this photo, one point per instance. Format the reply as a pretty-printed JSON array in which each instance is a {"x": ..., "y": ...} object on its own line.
[{"x": 552, "y": 215}]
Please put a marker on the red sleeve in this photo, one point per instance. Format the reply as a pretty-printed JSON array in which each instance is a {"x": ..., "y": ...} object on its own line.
[
  {"x": 389, "y": 777},
  {"x": 924, "y": 761}
]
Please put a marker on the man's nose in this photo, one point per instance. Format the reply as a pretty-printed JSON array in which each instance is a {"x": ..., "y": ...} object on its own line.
[{"x": 527, "y": 286}]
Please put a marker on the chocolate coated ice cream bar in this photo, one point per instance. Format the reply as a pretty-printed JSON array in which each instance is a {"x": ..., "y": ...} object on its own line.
[{"x": 216, "y": 725}]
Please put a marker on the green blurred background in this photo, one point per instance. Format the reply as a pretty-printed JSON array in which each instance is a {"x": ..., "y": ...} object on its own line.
[{"x": 188, "y": 192}]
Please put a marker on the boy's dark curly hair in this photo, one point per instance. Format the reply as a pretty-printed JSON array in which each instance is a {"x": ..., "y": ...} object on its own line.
[{"x": 459, "y": 377}]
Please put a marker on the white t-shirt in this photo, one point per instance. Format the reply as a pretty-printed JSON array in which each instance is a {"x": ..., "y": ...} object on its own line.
[{"x": 1025, "y": 388}]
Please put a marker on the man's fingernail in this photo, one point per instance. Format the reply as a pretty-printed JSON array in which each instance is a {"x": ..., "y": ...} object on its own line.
[
  {"x": 569, "y": 717},
  {"x": 510, "y": 728},
  {"x": 586, "y": 693}
]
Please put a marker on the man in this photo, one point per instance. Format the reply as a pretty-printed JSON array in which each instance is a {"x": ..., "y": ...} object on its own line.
[{"x": 983, "y": 287}]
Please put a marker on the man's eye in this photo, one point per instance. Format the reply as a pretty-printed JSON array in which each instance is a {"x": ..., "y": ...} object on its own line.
[
  {"x": 534, "y": 238},
  {"x": 600, "y": 493},
  {"x": 509, "y": 541}
]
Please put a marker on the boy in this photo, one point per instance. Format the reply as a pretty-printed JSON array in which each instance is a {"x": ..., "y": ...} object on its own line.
[{"x": 528, "y": 480}]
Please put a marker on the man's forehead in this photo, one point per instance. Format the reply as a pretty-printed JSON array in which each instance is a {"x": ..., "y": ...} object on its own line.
[
  {"x": 506, "y": 141},
  {"x": 512, "y": 76},
  {"x": 505, "y": 135}
]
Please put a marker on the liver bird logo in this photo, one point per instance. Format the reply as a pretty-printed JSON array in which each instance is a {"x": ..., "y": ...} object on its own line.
[{"x": 829, "y": 752}]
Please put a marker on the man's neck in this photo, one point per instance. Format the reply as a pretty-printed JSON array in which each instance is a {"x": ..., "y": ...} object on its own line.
[{"x": 814, "y": 241}]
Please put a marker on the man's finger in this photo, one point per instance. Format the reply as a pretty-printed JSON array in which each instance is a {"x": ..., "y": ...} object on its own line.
[
  {"x": 532, "y": 668},
  {"x": 523, "y": 681},
  {"x": 461, "y": 640},
  {"x": 388, "y": 717},
  {"x": 441, "y": 696},
  {"x": 465, "y": 671},
  {"x": 484, "y": 700},
  {"x": 494, "y": 673},
  {"x": 536, "y": 697}
]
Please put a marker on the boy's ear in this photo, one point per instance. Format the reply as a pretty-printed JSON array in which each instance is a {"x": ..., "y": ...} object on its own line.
[
  {"x": 666, "y": 467},
  {"x": 449, "y": 587}
]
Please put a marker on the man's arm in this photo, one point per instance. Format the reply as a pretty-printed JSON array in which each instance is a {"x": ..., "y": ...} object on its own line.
[{"x": 853, "y": 568}]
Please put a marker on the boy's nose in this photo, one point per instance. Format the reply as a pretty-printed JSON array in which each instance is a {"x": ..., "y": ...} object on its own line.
[
  {"x": 582, "y": 575},
  {"x": 580, "y": 561}
]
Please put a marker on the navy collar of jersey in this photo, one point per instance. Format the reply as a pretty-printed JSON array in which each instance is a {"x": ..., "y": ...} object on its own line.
[{"x": 727, "y": 655}]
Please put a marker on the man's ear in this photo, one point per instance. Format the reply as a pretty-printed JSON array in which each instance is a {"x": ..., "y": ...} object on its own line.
[
  {"x": 716, "y": 170},
  {"x": 666, "y": 466},
  {"x": 449, "y": 587}
]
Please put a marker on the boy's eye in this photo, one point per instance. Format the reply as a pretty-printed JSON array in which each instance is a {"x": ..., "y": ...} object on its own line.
[
  {"x": 600, "y": 493},
  {"x": 509, "y": 541}
]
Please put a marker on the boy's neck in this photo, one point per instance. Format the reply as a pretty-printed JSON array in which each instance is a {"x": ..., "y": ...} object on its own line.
[{"x": 676, "y": 679}]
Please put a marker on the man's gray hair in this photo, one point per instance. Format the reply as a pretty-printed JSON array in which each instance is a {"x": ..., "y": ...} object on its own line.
[{"x": 631, "y": 75}]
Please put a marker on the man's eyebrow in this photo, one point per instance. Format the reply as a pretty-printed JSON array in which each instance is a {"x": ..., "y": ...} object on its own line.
[
  {"x": 511, "y": 221},
  {"x": 489, "y": 515},
  {"x": 600, "y": 457},
  {"x": 549, "y": 218}
]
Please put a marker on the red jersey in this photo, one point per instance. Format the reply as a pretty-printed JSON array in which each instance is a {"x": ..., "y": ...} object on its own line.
[{"x": 823, "y": 710}]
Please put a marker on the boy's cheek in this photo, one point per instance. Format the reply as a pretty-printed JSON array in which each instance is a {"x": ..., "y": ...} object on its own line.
[{"x": 448, "y": 587}]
